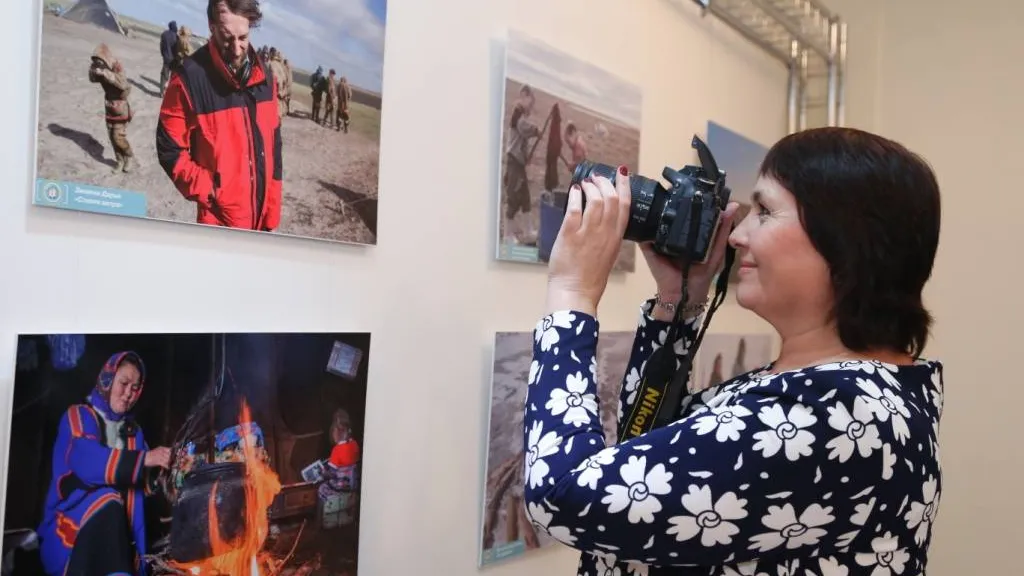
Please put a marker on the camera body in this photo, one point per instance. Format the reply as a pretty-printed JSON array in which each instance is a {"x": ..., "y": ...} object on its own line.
[{"x": 680, "y": 220}]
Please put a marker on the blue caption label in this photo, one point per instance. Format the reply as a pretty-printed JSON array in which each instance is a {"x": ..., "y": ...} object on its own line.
[
  {"x": 503, "y": 551},
  {"x": 86, "y": 198}
]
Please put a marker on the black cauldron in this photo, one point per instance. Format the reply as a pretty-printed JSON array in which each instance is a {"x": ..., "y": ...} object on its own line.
[{"x": 190, "y": 524}]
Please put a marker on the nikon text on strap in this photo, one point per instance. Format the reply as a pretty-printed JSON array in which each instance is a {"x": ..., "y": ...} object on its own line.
[{"x": 662, "y": 385}]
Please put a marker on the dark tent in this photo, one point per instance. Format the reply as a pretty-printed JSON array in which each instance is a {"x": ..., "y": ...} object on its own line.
[{"x": 95, "y": 12}]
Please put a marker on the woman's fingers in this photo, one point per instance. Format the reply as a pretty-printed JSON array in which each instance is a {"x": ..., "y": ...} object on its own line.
[
  {"x": 594, "y": 212},
  {"x": 722, "y": 235},
  {"x": 573, "y": 211},
  {"x": 610, "y": 195},
  {"x": 625, "y": 197}
]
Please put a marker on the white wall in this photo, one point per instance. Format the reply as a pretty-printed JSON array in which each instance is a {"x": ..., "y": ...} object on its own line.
[
  {"x": 429, "y": 363},
  {"x": 945, "y": 79}
]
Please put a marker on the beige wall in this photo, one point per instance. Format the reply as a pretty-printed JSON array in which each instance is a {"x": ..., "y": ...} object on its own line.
[
  {"x": 948, "y": 82},
  {"x": 429, "y": 363}
]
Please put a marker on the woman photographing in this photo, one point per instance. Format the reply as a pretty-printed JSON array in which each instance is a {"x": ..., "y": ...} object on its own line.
[{"x": 823, "y": 463}]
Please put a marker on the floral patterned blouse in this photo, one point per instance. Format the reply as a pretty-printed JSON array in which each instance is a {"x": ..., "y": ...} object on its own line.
[{"x": 832, "y": 470}]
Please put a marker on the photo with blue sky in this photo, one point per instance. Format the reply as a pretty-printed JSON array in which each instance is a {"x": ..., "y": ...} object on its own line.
[{"x": 347, "y": 35}]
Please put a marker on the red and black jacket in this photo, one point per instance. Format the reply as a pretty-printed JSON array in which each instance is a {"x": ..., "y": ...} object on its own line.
[{"x": 220, "y": 142}]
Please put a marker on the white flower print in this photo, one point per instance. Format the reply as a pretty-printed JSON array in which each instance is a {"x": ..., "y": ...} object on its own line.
[
  {"x": 787, "y": 431},
  {"x": 831, "y": 567},
  {"x": 922, "y": 514},
  {"x": 590, "y": 470},
  {"x": 535, "y": 373},
  {"x": 858, "y": 432},
  {"x": 639, "y": 490},
  {"x": 885, "y": 405},
  {"x": 573, "y": 401},
  {"x": 792, "y": 531},
  {"x": 936, "y": 392},
  {"x": 726, "y": 421},
  {"x": 631, "y": 384},
  {"x": 547, "y": 333},
  {"x": 710, "y": 519},
  {"x": 539, "y": 446},
  {"x": 606, "y": 564},
  {"x": 884, "y": 371},
  {"x": 541, "y": 518},
  {"x": 634, "y": 568},
  {"x": 887, "y": 559},
  {"x": 748, "y": 568}
]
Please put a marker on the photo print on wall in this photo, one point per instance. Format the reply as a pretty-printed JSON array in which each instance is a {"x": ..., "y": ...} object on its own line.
[
  {"x": 140, "y": 116},
  {"x": 232, "y": 453},
  {"x": 725, "y": 356},
  {"x": 741, "y": 158},
  {"x": 507, "y": 531},
  {"x": 558, "y": 110}
]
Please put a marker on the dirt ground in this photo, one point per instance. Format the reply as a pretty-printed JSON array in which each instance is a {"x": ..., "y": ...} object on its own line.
[
  {"x": 330, "y": 177},
  {"x": 512, "y": 356},
  {"x": 621, "y": 145}
]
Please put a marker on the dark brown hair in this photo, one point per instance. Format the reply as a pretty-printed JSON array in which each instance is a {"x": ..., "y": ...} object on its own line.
[
  {"x": 250, "y": 9},
  {"x": 871, "y": 208}
]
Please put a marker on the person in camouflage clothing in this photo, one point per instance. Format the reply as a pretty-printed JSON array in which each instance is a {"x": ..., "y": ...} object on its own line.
[{"x": 107, "y": 71}]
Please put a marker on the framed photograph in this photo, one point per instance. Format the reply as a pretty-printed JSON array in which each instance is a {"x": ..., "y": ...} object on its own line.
[
  {"x": 507, "y": 532},
  {"x": 722, "y": 357},
  {"x": 344, "y": 360},
  {"x": 194, "y": 447},
  {"x": 741, "y": 159},
  {"x": 143, "y": 113},
  {"x": 558, "y": 111},
  {"x": 314, "y": 472}
]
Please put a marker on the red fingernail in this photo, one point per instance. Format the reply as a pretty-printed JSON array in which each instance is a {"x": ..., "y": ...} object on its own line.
[
  {"x": 623, "y": 171},
  {"x": 588, "y": 180}
]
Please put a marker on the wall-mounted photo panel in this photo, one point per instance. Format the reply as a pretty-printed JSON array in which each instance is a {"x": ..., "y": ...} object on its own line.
[
  {"x": 142, "y": 115},
  {"x": 507, "y": 531},
  {"x": 234, "y": 453},
  {"x": 741, "y": 158},
  {"x": 725, "y": 356},
  {"x": 558, "y": 110}
]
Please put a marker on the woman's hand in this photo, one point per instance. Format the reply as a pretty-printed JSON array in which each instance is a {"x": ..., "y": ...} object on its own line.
[
  {"x": 157, "y": 457},
  {"x": 668, "y": 274},
  {"x": 588, "y": 244}
]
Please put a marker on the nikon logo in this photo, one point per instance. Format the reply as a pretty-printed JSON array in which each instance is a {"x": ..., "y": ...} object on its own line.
[{"x": 647, "y": 408}]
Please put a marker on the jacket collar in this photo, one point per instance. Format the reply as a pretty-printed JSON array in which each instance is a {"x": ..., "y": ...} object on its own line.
[{"x": 257, "y": 76}]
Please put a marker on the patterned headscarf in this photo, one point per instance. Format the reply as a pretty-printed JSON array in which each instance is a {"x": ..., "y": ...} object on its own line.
[{"x": 100, "y": 395}]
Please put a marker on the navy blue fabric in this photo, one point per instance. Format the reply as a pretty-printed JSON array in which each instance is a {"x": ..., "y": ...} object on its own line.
[{"x": 826, "y": 471}]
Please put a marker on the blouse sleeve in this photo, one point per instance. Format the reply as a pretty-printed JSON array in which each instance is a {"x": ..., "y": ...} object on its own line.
[
  {"x": 727, "y": 483},
  {"x": 651, "y": 335}
]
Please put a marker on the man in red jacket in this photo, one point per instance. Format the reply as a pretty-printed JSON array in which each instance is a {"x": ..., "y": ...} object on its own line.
[{"x": 219, "y": 135}]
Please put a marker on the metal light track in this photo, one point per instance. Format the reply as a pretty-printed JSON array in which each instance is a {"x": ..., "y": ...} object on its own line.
[{"x": 805, "y": 37}]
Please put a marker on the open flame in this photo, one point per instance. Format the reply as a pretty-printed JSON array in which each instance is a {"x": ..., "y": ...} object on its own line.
[{"x": 242, "y": 555}]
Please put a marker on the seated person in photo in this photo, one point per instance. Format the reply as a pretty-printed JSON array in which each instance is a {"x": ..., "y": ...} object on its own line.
[
  {"x": 345, "y": 451},
  {"x": 94, "y": 520},
  {"x": 823, "y": 463}
]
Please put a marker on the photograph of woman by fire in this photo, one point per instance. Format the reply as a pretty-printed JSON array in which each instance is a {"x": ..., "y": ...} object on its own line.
[{"x": 186, "y": 445}]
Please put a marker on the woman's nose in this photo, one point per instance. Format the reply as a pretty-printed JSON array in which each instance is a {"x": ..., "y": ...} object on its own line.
[{"x": 738, "y": 238}]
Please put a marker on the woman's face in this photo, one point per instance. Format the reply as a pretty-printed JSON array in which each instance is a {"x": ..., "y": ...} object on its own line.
[
  {"x": 124, "y": 392},
  {"x": 781, "y": 275}
]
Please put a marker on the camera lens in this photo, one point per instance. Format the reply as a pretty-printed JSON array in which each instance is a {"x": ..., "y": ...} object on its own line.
[{"x": 647, "y": 198}]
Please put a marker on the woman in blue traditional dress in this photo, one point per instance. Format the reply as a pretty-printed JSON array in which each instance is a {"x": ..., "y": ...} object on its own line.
[{"x": 93, "y": 521}]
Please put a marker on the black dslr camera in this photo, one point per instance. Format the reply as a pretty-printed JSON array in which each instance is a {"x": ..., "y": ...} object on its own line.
[{"x": 665, "y": 216}]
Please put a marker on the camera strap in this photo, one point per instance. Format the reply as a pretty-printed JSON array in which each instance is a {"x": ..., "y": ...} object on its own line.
[{"x": 662, "y": 385}]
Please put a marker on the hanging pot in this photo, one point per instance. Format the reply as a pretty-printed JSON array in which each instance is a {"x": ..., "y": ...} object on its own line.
[{"x": 190, "y": 539}]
